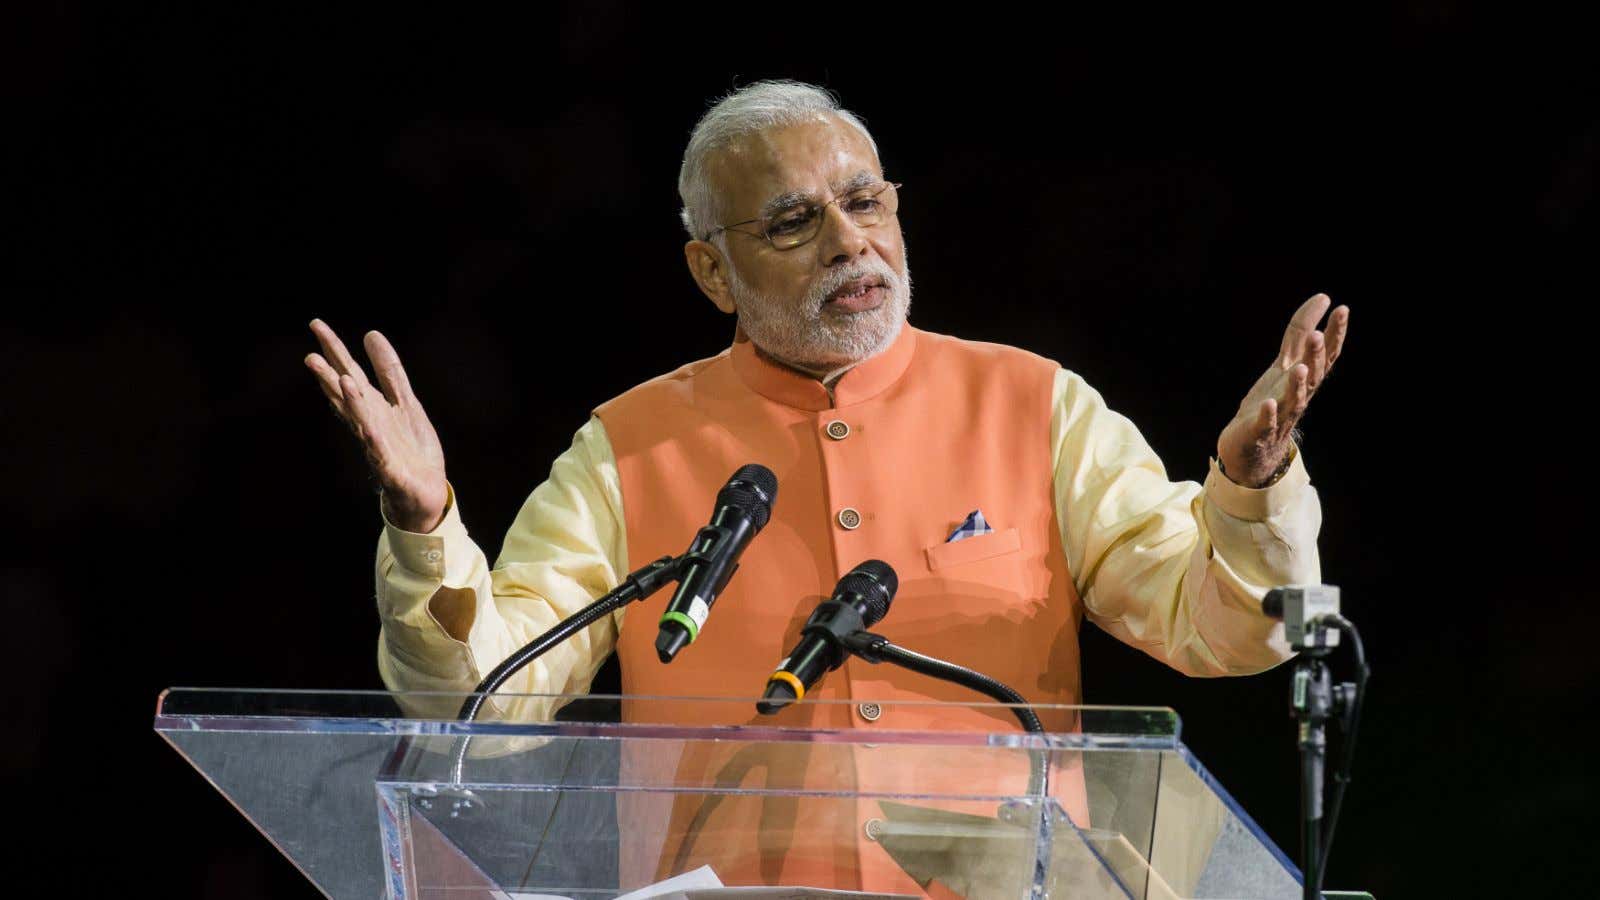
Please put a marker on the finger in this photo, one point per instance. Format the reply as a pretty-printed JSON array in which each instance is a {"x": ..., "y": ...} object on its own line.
[
  {"x": 1294, "y": 402},
  {"x": 327, "y": 380},
  {"x": 334, "y": 349},
  {"x": 1338, "y": 327},
  {"x": 1301, "y": 325},
  {"x": 391, "y": 375},
  {"x": 1315, "y": 364}
]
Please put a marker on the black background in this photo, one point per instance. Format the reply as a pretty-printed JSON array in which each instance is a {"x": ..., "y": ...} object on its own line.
[{"x": 1144, "y": 200}]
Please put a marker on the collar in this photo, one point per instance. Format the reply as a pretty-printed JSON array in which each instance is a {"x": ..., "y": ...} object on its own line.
[{"x": 862, "y": 381}]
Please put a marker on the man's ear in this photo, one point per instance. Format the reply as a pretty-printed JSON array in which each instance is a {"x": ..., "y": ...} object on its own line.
[{"x": 710, "y": 272}]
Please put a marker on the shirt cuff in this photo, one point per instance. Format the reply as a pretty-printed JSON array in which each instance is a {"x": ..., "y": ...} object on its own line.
[
  {"x": 437, "y": 553},
  {"x": 1257, "y": 504}
]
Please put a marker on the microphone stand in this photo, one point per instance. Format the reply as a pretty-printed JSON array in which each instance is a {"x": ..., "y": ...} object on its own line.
[
  {"x": 876, "y": 648},
  {"x": 1314, "y": 700},
  {"x": 637, "y": 586}
]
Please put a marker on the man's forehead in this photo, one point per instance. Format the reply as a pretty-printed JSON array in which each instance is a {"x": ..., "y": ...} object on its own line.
[{"x": 824, "y": 154}]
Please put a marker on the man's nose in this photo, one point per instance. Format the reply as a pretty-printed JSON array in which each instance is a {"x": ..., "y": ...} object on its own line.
[{"x": 841, "y": 239}]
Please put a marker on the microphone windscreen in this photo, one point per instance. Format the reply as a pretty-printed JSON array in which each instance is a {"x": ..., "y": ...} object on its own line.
[
  {"x": 875, "y": 580},
  {"x": 752, "y": 490}
]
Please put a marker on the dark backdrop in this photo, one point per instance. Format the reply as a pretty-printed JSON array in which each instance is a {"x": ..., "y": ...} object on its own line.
[{"x": 1145, "y": 201}]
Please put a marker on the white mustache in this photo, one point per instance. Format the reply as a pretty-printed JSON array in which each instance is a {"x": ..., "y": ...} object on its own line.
[{"x": 832, "y": 281}]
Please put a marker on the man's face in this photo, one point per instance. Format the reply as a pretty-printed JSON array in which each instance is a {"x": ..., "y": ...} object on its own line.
[{"x": 843, "y": 296}]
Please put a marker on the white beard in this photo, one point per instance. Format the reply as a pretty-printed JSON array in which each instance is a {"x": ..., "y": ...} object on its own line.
[{"x": 817, "y": 339}]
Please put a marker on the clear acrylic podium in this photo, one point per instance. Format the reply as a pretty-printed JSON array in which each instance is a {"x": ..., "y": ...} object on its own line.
[{"x": 369, "y": 802}]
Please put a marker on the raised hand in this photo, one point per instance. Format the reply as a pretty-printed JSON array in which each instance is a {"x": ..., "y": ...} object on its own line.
[
  {"x": 1255, "y": 444},
  {"x": 399, "y": 441}
]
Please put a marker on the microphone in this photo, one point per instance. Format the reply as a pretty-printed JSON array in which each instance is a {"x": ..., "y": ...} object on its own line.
[
  {"x": 859, "y": 601},
  {"x": 743, "y": 507},
  {"x": 1304, "y": 609}
]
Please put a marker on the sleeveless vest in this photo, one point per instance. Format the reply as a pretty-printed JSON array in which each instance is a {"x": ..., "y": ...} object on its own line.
[{"x": 910, "y": 443}]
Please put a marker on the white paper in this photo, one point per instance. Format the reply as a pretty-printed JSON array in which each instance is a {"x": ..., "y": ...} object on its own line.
[{"x": 673, "y": 888}]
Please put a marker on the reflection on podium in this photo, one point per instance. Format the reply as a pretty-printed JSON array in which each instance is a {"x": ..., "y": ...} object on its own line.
[{"x": 359, "y": 797}]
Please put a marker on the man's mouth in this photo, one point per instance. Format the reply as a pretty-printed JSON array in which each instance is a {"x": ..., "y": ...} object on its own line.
[{"x": 858, "y": 295}]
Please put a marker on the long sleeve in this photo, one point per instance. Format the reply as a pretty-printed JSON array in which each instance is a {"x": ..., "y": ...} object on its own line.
[
  {"x": 1175, "y": 569},
  {"x": 448, "y": 619}
]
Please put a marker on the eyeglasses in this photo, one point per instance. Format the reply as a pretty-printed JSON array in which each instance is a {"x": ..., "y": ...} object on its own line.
[{"x": 795, "y": 225}]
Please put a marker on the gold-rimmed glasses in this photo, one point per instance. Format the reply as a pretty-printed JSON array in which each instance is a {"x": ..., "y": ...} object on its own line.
[{"x": 796, "y": 224}]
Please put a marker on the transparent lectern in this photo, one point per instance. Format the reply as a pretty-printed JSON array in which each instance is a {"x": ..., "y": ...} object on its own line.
[{"x": 369, "y": 802}]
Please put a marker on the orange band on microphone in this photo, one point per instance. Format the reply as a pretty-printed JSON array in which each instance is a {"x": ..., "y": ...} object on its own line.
[{"x": 789, "y": 679}]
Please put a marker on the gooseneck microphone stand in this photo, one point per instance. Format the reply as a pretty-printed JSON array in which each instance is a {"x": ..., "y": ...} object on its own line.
[
  {"x": 875, "y": 648},
  {"x": 637, "y": 586}
]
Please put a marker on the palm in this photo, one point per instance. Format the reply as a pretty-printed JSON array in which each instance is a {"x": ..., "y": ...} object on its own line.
[
  {"x": 399, "y": 441},
  {"x": 414, "y": 465},
  {"x": 1256, "y": 441}
]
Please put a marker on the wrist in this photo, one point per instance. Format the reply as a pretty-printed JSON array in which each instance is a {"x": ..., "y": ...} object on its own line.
[
  {"x": 409, "y": 517},
  {"x": 1263, "y": 482}
]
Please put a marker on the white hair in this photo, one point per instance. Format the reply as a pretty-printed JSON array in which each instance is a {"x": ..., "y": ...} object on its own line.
[{"x": 752, "y": 108}]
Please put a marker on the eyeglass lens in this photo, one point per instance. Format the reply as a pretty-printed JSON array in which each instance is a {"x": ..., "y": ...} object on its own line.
[{"x": 798, "y": 224}]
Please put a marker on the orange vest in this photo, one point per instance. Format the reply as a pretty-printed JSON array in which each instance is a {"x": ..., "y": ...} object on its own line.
[{"x": 912, "y": 441}]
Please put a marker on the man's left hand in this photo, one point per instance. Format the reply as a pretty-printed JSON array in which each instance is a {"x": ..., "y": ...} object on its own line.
[{"x": 1254, "y": 446}]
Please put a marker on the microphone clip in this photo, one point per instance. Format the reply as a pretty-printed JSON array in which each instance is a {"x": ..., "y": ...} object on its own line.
[
  {"x": 655, "y": 576},
  {"x": 866, "y": 645},
  {"x": 836, "y": 623}
]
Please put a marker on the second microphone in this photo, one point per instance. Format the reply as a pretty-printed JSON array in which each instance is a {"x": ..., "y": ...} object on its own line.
[{"x": 860, "y": 600}]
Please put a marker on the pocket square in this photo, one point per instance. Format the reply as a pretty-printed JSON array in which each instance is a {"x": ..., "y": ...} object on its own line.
[{"x": 972, "y": 527}]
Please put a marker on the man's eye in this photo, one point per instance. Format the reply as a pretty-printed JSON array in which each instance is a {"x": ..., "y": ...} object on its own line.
[
  {"x": 868, "y": 203},
  {"x": 790, "y": 223}
]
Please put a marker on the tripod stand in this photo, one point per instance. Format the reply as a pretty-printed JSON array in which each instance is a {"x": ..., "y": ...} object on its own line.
[{"x": 1314, "y": 701}]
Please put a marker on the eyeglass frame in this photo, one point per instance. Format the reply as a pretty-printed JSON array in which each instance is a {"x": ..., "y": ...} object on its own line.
[{"x": 820, "y": 211}]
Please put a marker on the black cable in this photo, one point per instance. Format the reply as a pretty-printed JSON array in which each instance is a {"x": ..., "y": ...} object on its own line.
[{"x": 1347, "y": 758}]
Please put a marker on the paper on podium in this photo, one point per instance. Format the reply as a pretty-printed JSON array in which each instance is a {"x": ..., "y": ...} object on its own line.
[
  {"x": 982, "y": 857},
  {"x": 672, "y": 888}
]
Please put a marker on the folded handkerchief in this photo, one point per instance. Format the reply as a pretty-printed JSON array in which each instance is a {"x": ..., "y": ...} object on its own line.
[{"x": 972, "y": 527}]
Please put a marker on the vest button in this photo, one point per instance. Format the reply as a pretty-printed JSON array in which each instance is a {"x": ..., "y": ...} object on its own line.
[
  {"x": 870, "y": 711},
  {"x": 873, "y": 828},
  {"x": 838, "y": 430},
  {"x": 849, "y": 518}
]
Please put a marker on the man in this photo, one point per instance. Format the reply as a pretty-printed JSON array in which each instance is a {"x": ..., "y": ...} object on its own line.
[{"x": 884, "y": 439}]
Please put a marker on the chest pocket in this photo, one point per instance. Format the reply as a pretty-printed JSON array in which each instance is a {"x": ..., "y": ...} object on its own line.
[
  {"x": 973, "y": 549},
  {"x": 974, "y": 607},
  {"x": 978, "y": 575}
]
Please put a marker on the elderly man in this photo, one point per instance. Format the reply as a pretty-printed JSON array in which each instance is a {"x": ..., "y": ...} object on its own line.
[{"x": 885, "y": 440}]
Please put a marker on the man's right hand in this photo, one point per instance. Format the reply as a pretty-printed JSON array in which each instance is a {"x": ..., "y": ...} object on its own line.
[{"x": 399, "y": 441}]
